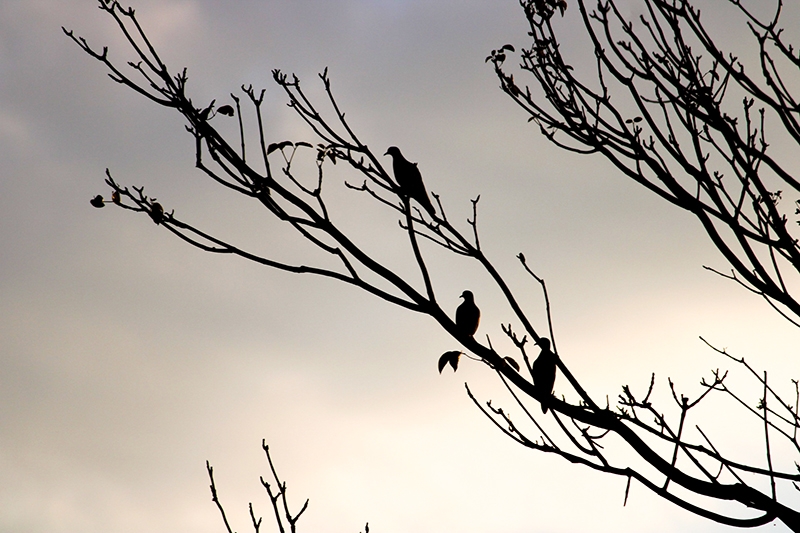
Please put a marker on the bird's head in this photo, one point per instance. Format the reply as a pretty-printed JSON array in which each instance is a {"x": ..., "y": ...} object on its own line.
[
  {"x": 393, "y": 151},
  {"x": 467, "y": 295},
  {"x": 544, "y": 342}
]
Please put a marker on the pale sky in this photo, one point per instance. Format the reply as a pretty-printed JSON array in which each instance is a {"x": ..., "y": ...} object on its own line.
[{"x": 128, "y": 358}]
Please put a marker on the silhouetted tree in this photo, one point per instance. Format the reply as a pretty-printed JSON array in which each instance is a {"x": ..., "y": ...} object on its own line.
[
  {"x": 276, "y": 492},
  {"x": 684, "y": 118},
  {"x": 674, "y": 136}
]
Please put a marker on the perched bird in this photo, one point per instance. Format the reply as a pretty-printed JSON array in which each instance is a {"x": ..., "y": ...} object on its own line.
[
  {"x": 468, "y": 315},
  {"x": 544, "y": 371},
  {"x": 409, "y": 179}
]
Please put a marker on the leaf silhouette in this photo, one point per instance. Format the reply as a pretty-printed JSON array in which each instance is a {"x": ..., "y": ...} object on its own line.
[
  {"x": 115, "y": 197},
  {"x": 508, "y": 47},
  {"x": 225, "y": 110},
  {"x": 512, "y": 363},
  {"x": 449, "y": 357},
  {"x": 278, "y": 146},
  {"x": 157, "y": 212},
  {"x": 97, "y": 201}
]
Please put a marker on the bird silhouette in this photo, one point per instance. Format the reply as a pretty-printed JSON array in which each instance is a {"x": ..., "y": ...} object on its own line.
[
  {"x": 468, "y": 315},
  {"x": 544, "y": 371},
  {"x": 409, "y": 179}
]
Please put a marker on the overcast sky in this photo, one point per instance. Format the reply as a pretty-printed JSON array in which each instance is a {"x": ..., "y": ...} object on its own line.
[{"x": 128, "y": 358}]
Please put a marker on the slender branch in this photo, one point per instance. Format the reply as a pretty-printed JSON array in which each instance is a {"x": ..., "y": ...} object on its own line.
[{"x": 215, "y": 498}]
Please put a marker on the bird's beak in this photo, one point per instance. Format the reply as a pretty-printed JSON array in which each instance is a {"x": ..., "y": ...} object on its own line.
[{"x": 387, "y": 152}]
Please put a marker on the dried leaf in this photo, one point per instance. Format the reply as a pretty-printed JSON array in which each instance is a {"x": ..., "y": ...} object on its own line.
[
  {"x": 512, "y": 363},
  {"x": 449, "y": 357},
  {"x": 443, "y": 361},
  {"x": 278, "y": 146},
  {"x": 225, "y": 110},
  {"x": 157, "y": 212},
  {"x": 97, "y": 201}
]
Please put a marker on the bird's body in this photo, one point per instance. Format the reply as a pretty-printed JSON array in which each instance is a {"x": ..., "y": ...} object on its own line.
[
  {"x": 468, "y": 315},
  {"x": 544, "y": 371},
  {"x": 409, "y": 179}
]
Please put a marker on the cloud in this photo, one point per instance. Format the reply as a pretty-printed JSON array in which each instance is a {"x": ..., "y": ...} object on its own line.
[{"x": 15, "y": 132}]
